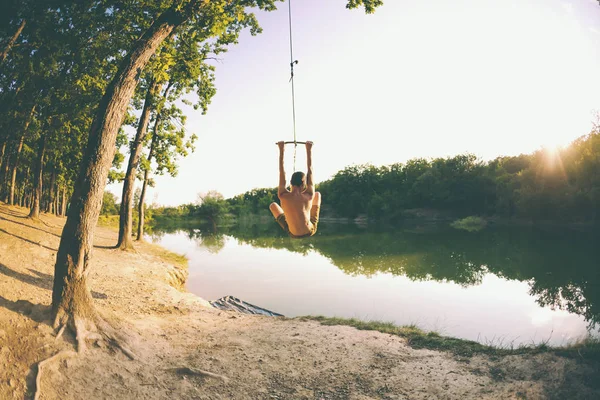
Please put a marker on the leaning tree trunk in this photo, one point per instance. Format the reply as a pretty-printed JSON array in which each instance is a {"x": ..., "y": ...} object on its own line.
[
  {"x": 12, "y": 41},
  {"x": 125, "y": 213},
  {"x": 71, "y": 298},
  {"x": 142, "y": 205},
  {"x": 37, "y": 179}
]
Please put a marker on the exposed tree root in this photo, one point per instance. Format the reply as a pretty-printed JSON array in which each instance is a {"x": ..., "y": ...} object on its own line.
[
  {"x": 199, "y": 372},
  {"x": 38, "y": 378},
  {"x": 93, "y": 329},
  {"x": 113, "y": 339},
  {"x": 60, "y": 332}
]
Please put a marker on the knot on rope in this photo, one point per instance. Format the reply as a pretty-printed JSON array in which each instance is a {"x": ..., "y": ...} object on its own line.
[{"x": 292, "y": 69}]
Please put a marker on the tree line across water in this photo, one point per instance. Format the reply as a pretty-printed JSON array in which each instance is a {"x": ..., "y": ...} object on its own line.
[{"x": 550, "y": 184}]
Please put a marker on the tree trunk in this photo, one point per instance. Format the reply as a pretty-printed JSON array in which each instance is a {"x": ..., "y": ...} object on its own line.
[
  {"x": 4, "y": 177},
  {"x": 142, "y": 209},
  {"x": 125, "y": 214},
  {"x": 141, "y": 205},
  {"x": 17, "y": 156},
  {"x": 12, "y": 41},
  {"x": 3, "y": 160},
  {"x": 63, "y": 206},
  {"x": 56, "y": 201},
  {"x": 25, "y": 189},
  {"x": 37, "y": 179},
  {"x": 71, "y": 298},
  {"x": 13, "y": 174},
  {"x": 51, "y": 209},
  {"x": 2, "y": 151}
]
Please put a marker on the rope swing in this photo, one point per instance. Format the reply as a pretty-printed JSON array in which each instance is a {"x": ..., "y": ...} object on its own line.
[{"x": 292, "y": 63}]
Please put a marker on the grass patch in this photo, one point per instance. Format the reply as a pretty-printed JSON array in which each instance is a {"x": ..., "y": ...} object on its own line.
[
  {"x": 471, "y": 224},
  {"x": 112, "y": 221},
  {"x": 108, "y": 221},
  {"x": 588, "y": 349},
  {"x": 167, "y": 256}
]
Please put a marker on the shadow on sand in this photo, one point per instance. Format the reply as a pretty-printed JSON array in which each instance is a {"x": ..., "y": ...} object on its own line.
[{"x": 39, "y": 279}]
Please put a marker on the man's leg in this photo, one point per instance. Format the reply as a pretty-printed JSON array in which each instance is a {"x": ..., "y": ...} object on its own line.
[{"x": 277, "y": 212}]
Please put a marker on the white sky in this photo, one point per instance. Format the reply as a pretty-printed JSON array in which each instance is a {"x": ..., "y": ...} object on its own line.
[{"x": 419, "y": 78}]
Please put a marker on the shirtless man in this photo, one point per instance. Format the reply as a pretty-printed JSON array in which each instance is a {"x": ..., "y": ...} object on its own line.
[{"x": 299, "y": 211}]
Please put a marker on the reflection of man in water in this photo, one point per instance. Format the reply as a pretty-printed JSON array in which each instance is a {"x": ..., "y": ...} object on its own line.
[{"x": 299, "y": 211}]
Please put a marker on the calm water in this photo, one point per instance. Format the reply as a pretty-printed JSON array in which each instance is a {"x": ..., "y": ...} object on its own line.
[{"x": 495, "y": 286}]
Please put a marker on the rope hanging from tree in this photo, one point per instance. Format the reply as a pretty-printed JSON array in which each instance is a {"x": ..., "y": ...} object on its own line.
[{"x": 292, "y": 63}]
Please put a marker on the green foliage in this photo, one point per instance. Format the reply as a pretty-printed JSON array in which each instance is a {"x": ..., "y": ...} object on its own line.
[
  {"x": 370, "y": 5},
  {"x": 212, "y": 206},
  {"x": 470, "y": 224},
  {"x": 255, "y": 201},
  {"x": 167, "y": 256},
  {"x": 109, "y": 204}
]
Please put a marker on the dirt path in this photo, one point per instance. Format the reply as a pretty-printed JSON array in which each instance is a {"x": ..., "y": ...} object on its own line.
[{"x": 175, "y": 334}]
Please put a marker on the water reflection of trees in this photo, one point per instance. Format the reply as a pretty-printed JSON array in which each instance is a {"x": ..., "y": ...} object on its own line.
[
  {"x": 204, "y": 235},
  {"x": 212, "y": 240},
  {"x": 560, "y": 267}
]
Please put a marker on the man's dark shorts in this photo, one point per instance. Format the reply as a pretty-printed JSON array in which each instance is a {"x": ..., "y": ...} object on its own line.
[{"x": 314, "y": 219}]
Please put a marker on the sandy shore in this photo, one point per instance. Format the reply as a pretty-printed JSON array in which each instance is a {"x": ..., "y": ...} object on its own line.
[{"x": 176, "y": 335}]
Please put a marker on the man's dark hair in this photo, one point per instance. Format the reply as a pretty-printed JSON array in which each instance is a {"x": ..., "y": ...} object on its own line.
[{"x": 297, "y": 179}]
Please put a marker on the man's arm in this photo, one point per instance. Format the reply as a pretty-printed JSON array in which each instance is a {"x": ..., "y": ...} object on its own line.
[
  {"x": 282, "y": 188},
  {"x": 310, "y": 186}
]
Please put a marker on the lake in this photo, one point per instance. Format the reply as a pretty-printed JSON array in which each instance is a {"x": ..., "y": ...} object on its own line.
[{"x": 497, "y": 286}]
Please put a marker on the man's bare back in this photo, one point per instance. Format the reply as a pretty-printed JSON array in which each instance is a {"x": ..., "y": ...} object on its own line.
[{"x": 298, "y": 214}]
